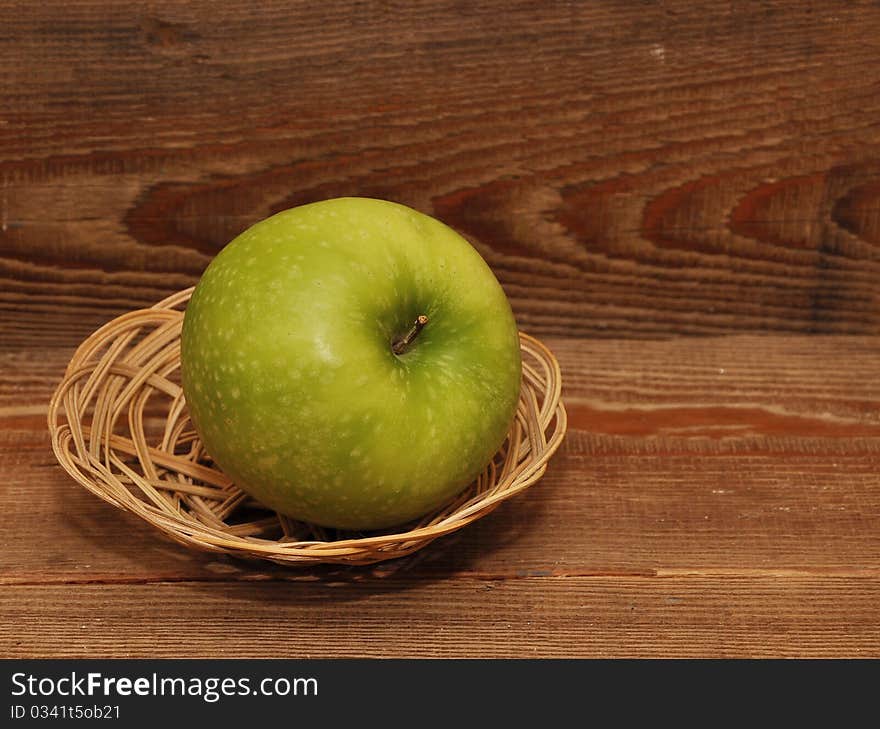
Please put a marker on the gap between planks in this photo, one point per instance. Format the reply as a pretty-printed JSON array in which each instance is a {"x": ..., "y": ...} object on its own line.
[{"x": 347, "y": 575}]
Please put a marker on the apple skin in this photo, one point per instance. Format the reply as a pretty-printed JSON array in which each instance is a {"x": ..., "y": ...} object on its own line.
[{"x": 291, "y": 381}]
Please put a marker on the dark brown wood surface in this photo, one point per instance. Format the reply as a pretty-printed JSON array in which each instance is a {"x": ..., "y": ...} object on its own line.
[{"x": 681, "y": 198}]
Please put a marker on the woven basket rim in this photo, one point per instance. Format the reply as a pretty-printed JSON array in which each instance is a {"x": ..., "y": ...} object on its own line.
[{"x": 130, "y": 360}]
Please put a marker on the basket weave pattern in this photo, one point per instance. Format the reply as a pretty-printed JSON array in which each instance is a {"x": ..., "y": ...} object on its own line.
[{"x": 119, "y": 426}]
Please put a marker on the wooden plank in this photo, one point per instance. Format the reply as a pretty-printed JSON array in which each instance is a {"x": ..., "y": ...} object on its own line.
[
  {"x": 672, "y": 466},
  {"x": 806, "y": 386},
  {"x": 532, "y": 617},
  {"x": 634, "y": 171}
]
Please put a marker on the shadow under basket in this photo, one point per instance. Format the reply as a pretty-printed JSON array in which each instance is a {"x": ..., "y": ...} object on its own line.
[{"x": 120, "y": 427}]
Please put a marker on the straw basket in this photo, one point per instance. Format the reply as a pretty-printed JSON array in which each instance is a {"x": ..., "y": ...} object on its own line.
[{"x": 119, "y": 426}]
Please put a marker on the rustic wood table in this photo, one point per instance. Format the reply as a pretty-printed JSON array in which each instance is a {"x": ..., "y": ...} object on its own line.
[{"x": 681, "y": 198}]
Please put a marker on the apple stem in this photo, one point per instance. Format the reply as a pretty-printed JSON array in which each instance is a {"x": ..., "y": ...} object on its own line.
[{"x": 401, "y": 345}]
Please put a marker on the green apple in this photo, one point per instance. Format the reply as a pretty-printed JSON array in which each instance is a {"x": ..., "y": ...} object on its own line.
[{"x": 352, "y": 363}]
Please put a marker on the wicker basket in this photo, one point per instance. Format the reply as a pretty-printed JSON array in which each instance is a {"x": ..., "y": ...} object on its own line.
[{"x": 119, "y": 426}]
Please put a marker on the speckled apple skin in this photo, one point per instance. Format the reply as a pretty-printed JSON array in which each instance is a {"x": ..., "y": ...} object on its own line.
[{"x": 291, "y": 382}]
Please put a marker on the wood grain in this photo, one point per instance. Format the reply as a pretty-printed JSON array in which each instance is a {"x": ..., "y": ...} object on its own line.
[
  {"x": 681, "y": 198},
  {"x": 627, "y": 169},
  {"x": 531, "y": 617}
]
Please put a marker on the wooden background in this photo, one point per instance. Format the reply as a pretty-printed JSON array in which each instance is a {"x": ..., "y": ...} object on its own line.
[{"x": 682, "y": 198}]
